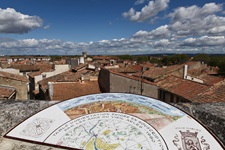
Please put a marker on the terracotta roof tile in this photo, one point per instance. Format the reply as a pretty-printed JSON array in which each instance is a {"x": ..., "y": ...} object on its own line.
[
  {"x": 64, "y": 91},
  {"x": 191, "y": 63},
  {"x": 159, "y": 72},
  {"x": 6, "y": 92},
  {"x": 13, "y": 76},
  {"x": 210, "y": 79},
  {"x": 124, "y": 70},
  {"x": 183, "y": 88},
  {"x": 103, "y": 61},
  {"x": 214, "y": 94},
  {"x": 136, "y": 67},
  {"x": 62, "y": 77},
  {"x": 67, "y": 76},
  {"x": 33, "y": 67},
  {"x": 147, "y": 65},
  {"x": 193, "y": 91}
]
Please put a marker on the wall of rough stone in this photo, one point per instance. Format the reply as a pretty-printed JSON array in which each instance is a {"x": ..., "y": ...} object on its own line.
[
  {"x": 211, "y": 115},
  {"x": 12, "y": 113}
]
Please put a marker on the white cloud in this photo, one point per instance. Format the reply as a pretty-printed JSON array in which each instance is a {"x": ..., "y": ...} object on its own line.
[
  {"x": 205, "y": 41},
  {"x": 12, "y": 21},
  {"x": 161, "y": 32},
  {"x": 147, "y": 12},
  {"x": 47, "y": 27},
  {"x": 158, "y": 33},
  {"x": 196, "y": 20},
  {"x": 162, "y": 43},
  {"x": 141, "y": 33},
  {"x": 138, "y": 2}
]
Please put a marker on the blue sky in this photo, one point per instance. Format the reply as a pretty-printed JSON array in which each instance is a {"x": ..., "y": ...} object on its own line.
[{"x": 111, "y": 27}]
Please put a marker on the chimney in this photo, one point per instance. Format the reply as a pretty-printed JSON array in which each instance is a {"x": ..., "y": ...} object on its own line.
[
  {"x": 81, "y": 60},
  {"x": 185, "y": 71},
  {"x": 50, "y": 89},
  {"x": 43, "y": 76},
  {"x": 84, "y": 54},
  {"x": 82, "y": 79}
]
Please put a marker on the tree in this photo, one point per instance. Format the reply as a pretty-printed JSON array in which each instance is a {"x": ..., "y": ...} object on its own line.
[
  {"x": 179, "y": 59},
  {"x": 166, "y": 60},
  {"x": 126, "y": 57},
  {"x": 221, "y": 66},
  {"x": 214, "y": 61},
  {"x": 155, "y": 60},
  {"x": 141, "y": 59},
  {"x": 202, "y": 57}
]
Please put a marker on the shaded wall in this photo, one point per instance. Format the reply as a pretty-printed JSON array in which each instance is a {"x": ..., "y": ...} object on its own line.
[{"x": 21, "y": 87}]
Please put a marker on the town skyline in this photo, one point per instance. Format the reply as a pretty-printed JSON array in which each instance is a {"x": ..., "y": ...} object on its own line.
[{"x": 112, "y": 28}]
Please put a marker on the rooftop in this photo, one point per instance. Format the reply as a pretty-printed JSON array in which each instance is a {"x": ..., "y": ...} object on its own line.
[
  {"x": 6, "y": 92},
  {"x": 216, "y": 93},
  {"x": 131, "y": 77},
  {"x": 124, "y": 70},
  {"x": 13, "y": 76},
  {"x": 64, "y": 91},
  {"x": 33, "y": 67},
  {"x": 193, "y": 91},
  {"x": 210, "y": 79},
  {"x": 67, "y": 76},
  {"x": 63, "y": 77},
  {"x": 159, "y": 72},
  {"x": 79, "y": 67}
]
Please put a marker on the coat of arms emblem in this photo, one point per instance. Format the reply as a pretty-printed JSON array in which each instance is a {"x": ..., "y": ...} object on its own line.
[{"x": 190, "y": 141}]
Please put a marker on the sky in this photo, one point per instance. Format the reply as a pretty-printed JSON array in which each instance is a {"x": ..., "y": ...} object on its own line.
[{"x": 111, "y": 27}]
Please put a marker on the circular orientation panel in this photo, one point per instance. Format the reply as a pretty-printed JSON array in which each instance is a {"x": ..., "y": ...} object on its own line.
[{"x": 115, "y": 121}]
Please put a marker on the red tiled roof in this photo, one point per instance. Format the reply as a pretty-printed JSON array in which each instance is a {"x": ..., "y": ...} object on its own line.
[
  {"x": 6, "y": 92},
  {"x": 159, "y": 72},
  {"x": 210, "y": 79},
  {"x": 103, "y": 61},
  {"x": 202, "y": 71},
  {"x": 64, "y": 91},
  {"x": 67, "y": 76},
  {"x": 191, "y": 63},
  {"x": 183, "y": 88},
  {"x": 214, "y": 94},
  {"x": 33, "y": 67},
  {"x": 136, "y": 67},
  {"x": 62, "y": 77},
  {"x": 147, "y": 65},
  {"x": 124, "y": 70},
  {"x": 13, "y": 76}
]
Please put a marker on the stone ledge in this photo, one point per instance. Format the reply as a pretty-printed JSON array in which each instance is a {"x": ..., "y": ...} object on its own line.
[{"x": 12, "y": 113}]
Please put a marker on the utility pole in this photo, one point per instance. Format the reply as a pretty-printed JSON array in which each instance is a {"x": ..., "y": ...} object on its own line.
[{"x": 142, "y": 72}]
